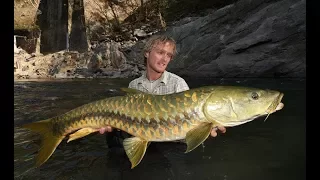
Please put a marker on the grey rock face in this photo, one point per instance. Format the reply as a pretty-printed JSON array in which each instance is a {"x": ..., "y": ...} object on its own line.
[{"x": 251, "y": 38}]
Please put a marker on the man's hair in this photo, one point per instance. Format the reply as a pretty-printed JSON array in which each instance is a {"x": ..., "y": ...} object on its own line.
[{"x": 158, "y": 39}]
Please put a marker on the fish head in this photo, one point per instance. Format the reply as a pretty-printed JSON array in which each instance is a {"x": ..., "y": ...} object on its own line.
[{"x": 231, "y": 106}]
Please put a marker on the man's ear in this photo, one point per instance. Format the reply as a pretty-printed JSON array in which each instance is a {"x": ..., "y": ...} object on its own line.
[{"x": 146, "y": 55}]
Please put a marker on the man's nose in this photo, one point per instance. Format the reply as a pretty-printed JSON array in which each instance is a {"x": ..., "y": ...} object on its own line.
[{"x": 166, "y": 57}]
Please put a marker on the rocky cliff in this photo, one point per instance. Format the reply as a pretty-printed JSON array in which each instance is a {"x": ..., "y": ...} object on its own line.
[{"x": 249, "y": 38}]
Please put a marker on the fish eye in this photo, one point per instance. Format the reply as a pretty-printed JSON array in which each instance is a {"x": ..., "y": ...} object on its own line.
[{"x": 255, "y": 96}]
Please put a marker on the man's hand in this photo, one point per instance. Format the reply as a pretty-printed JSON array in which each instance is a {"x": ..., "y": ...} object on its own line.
[
  {"x": 105, "y": 129},
  {"x": 213, "y": 131}
]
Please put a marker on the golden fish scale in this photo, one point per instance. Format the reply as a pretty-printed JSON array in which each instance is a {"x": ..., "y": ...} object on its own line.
[{"x": 150, "y": 117}]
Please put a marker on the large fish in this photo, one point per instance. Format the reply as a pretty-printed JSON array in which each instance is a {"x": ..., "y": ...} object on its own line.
[{"x": 188, "y": 116}]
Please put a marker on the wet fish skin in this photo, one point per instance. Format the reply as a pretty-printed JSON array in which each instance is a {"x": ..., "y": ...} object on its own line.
[
  {"x": 151, "y": 117},
  {"x": 189, "y": 116}
]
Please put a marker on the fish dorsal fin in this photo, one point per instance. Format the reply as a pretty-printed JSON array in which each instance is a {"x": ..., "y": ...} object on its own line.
[
  {"x": 198, "y": 135},
  {"x": 135, "y": 148},
  {"x": 131, "y": 90}
]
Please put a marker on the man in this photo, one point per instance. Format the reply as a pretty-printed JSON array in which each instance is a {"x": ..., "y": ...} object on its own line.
[{"x": 158, "y": 52}]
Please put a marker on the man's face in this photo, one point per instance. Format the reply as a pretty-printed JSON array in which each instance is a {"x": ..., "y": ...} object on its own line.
[{"x": 159, "y": 56}]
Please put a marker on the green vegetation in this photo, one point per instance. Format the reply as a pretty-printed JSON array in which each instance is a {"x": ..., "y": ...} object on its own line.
[
  {"x": 113, "y": 17},
  {"x": 28, "y": 27}
]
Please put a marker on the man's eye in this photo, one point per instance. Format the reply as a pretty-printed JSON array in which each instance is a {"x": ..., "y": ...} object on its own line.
[{"x": 161, "y": 52}]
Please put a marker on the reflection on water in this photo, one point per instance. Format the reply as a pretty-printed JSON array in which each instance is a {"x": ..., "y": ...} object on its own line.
[{"x": 274, "y": 149}]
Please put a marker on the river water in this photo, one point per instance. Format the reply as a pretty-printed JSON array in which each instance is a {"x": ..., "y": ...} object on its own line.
[{"x": 274, "y": 149}]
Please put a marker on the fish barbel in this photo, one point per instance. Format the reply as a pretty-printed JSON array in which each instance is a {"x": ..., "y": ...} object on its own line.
[{"x": 188, "y": 116}]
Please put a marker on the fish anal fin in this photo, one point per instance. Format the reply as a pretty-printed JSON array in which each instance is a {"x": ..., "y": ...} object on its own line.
[
  {"x": 81, "y": 133},
  {"x": 135, "y": 148},
  {"x": 197, "y": 135}
]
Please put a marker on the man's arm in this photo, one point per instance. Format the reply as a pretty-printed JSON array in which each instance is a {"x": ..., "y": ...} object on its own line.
[
  {"x": 182, "y": 86},
  {"x": 131, "y": 85}
]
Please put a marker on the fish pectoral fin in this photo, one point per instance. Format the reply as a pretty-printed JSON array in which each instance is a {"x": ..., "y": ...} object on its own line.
[
  {"x": 135, "y": 148},
  {"x": 197, "y": 135},
  {"x": 81, "y": 133}
]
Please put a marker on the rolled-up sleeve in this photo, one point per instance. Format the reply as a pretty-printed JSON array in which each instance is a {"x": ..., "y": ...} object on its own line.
[{"x": 181, "y": 85}]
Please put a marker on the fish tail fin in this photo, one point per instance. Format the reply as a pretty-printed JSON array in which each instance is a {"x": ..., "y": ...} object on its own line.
[{"x": 49, "y": 140}]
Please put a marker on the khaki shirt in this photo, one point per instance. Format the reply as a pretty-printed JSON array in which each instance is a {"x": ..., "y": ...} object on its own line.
[{"x": 168, "y": 83}]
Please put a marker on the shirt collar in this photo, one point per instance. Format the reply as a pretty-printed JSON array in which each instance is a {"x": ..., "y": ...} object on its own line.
[{"x": 163, "y": 78}]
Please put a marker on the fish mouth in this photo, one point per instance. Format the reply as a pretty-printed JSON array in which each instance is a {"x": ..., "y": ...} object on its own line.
[{"x": 276, "y": 105}]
